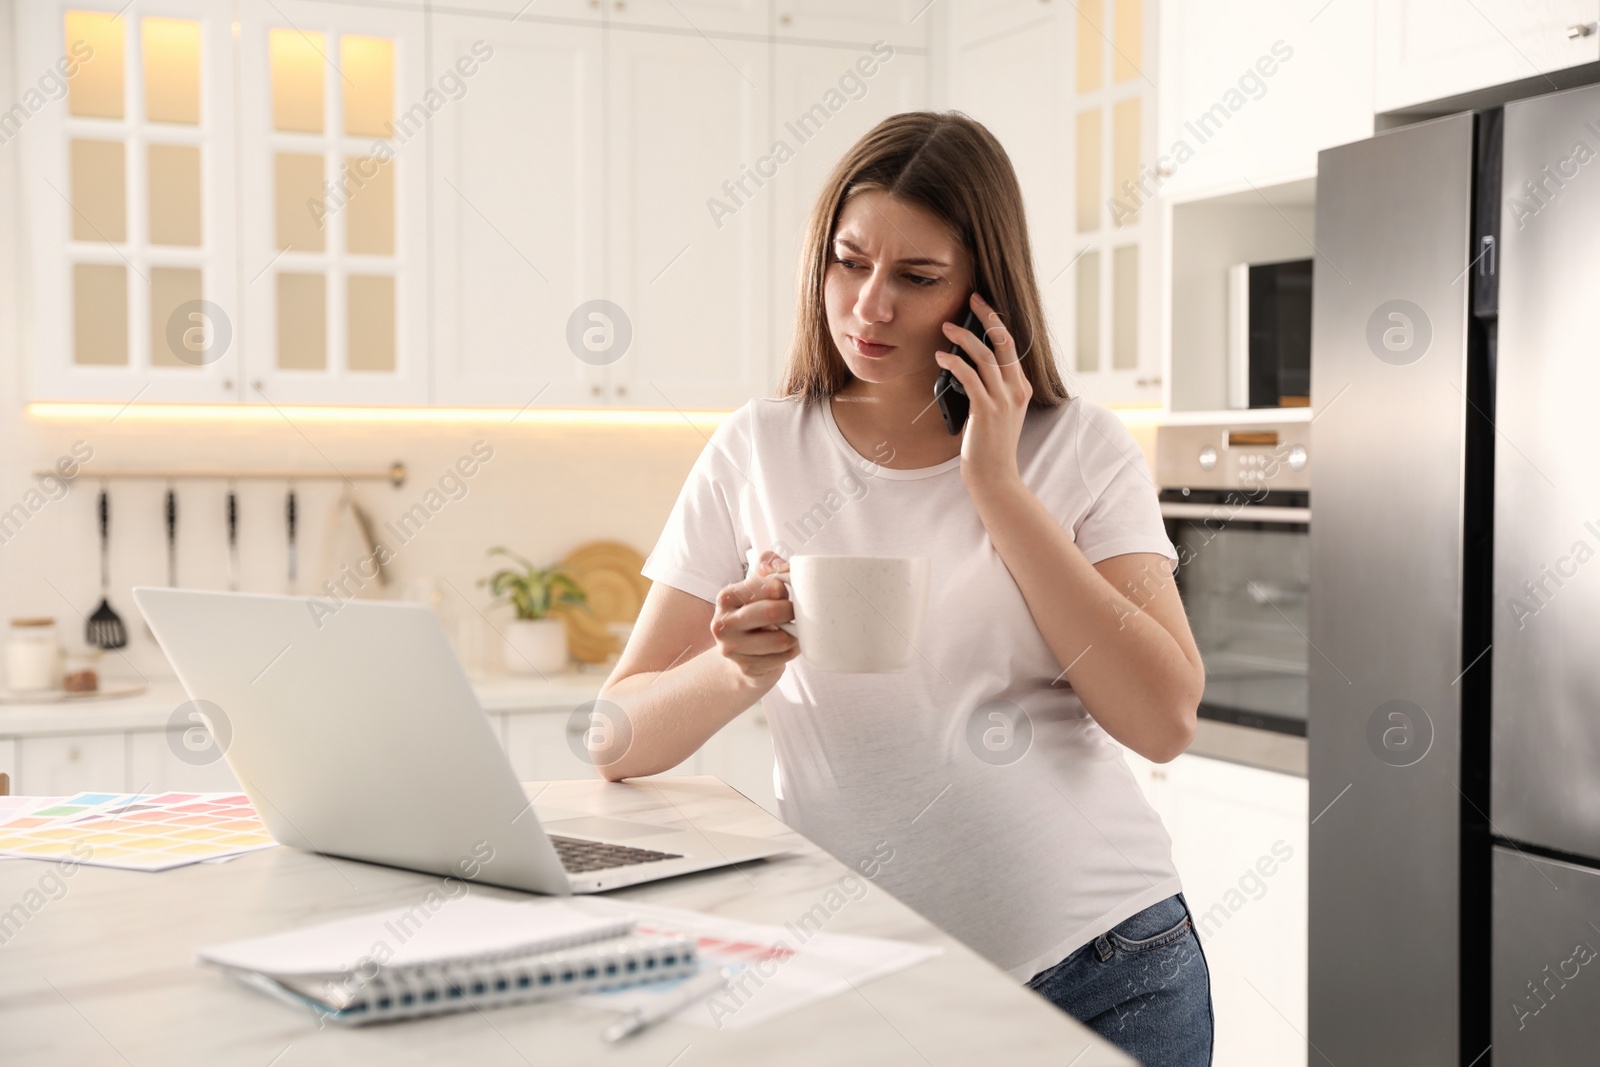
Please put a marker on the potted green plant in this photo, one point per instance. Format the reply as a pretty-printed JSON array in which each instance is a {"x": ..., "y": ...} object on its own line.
[{"x": 535, "y": 642}]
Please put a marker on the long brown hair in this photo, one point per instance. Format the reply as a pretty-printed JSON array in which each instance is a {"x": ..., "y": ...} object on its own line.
[{"x": 952, "y": 167}]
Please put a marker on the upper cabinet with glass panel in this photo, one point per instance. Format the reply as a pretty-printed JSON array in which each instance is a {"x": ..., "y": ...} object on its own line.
[
  {"x": 127, "y": 182},
  {"x": 340, "y": 172},
  {"x": 225, "y": 200},
  {"x": 1068, "y": 89},
  {"x": 1111, "y": 135}
]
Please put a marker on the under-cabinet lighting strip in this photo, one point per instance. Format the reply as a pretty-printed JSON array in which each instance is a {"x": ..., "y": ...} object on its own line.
[{"x": 105, "y": 412}]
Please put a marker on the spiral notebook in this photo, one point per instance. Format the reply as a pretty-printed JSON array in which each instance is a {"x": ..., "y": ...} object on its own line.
[{"x": 445, "y": 955}]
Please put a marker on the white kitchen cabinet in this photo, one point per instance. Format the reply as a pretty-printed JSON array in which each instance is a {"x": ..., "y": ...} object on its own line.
[
  {"x": 1433, "y": 49},
  {"x": 538, "y": 742},
  {"x": 741, "y": 755},
  {"x": 59, "y": 766},
  {"x": 697, "y": 16},
  {"x": 816, "y": 123},
  {"x": 517, "y": 210},
  {"x": 1240, "y": 837},
  {"x": 1077, "y": 133},
  {"x": 516, "y": 184},
  {"x": 687, "y": 279},
  {"x": 815, "y": 20},
  {"x": 530, "y": 12},
  {"x": 155, "y": 764},
  {"x": 974, "y": 20},
  {"x": 335, "y": 110},
  {"x": 127, "y": 191},
  {"x": 1251, "y": 90},
  {"x": 581, "y": 258},
  {"x": 1007, "y": 53},
  {"x": 547, "y": 746},
  {"x": 539, "y": 751},
  {"x": 187, "y": 243},
  {"x": 896, "y": 22}
]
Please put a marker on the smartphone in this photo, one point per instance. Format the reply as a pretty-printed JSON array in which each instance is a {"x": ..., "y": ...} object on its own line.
[{"x": 947, "y": 390}]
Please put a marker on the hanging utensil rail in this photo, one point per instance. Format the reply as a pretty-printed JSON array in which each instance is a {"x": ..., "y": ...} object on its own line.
[{"x": 395, "y": 474}]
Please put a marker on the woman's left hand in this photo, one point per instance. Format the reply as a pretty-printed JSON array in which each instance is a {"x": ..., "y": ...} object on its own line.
[{"x": 998, "y": 392}]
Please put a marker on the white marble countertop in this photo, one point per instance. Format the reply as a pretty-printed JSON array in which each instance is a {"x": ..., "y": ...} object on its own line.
[
  {"x": 105, "y": 972},
  {"x": 151, "y": 709}
]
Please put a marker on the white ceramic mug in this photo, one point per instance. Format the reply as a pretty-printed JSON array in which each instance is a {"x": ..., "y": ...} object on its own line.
[{"x": 857, "y": 614}]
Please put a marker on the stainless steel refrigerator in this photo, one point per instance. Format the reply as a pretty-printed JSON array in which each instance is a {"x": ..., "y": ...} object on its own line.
[{"x": 1454, "y": 719}]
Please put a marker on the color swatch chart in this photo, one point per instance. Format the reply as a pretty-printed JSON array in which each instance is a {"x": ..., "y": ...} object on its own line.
[{"x": 132, "y": 831}]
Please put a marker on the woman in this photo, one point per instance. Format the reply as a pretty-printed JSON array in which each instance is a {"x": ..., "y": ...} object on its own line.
[{"x": 984, "y": 786}]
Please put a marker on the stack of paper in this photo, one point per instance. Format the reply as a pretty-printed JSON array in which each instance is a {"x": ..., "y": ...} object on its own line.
[
  {"x": 132, "y": 831},
  {"x": 779, "y": 969}
]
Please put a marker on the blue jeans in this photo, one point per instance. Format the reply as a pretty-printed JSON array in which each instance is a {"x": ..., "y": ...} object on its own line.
[{"x": 1143, "y": 985}]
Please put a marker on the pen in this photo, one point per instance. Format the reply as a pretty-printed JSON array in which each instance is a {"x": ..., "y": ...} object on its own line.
[{"x": 692, "y": 990}]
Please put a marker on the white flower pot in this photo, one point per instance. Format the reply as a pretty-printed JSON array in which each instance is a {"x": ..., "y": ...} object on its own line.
[{"x": 536, "y": 646}]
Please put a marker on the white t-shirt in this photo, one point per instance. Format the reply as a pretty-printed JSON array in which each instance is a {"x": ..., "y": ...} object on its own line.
[{"x": 1023, "y": 853}]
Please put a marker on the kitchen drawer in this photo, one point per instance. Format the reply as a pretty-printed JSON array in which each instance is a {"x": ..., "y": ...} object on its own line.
[
  {"x": 541, "y": 748},
  {"x": 1240, "y": 841},
  {"x": 741, "y": 755},
  {"x": 58, "y": 766},
  {"x": 160, "y": 760}
]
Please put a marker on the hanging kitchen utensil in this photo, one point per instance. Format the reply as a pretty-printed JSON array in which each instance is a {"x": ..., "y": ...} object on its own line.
[
  {"x": 172, "y": 538},
  {"x": 351, "y": 558},
  {"x": 105, "y": 629},
  {"x": 292, "y": 549},
  {"x": 233, "y": 539},
  {"x": 365, "y": 522}
]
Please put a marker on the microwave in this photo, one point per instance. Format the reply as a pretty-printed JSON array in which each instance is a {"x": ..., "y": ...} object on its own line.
[{"x": 1269, "y": 334}]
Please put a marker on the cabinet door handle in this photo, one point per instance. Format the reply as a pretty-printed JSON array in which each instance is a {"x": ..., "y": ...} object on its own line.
[{"x": 1579, "y": 29}]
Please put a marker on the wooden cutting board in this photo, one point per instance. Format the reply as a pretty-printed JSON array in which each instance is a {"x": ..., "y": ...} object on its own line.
[{"x": 608, "y": 571}]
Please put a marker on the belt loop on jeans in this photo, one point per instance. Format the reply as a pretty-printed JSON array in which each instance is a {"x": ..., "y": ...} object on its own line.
[{"x": 1102, "y": 948}]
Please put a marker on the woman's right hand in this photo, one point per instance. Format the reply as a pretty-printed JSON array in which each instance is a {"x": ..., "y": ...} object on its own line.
[{"x": 745, "y": 623}]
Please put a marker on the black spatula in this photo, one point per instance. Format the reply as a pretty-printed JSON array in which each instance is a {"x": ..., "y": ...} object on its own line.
[{"x": 105, "y": 629}]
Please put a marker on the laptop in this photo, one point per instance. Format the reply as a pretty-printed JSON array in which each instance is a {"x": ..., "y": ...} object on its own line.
[{"x": 354, "y": 731}]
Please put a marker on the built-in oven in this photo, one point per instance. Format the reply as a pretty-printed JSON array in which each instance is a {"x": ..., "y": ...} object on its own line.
[{"x": 1237, "y": 504}]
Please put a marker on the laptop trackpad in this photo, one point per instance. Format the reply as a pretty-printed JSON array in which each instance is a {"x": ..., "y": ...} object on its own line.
[{"x": 597, "y": 826}]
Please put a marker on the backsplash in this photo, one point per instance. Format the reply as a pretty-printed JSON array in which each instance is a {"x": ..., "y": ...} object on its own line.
[{"x": 540, "y": 490}]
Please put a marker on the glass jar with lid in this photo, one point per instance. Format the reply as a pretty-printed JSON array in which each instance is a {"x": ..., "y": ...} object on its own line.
[{"x": 33, "y": 656}]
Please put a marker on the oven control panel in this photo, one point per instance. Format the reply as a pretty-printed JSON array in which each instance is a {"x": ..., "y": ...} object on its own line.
[{"x": 1265, "y": 455}]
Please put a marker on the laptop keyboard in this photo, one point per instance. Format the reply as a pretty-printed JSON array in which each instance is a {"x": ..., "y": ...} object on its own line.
[{"x": 578, "y": 855}]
